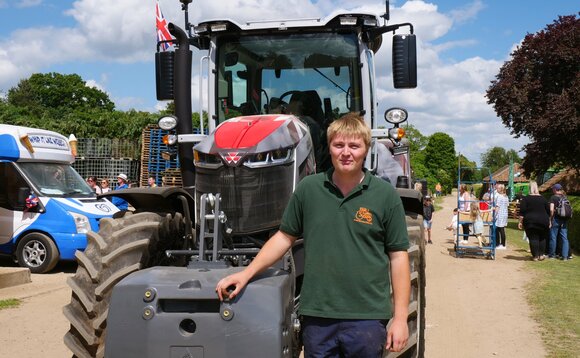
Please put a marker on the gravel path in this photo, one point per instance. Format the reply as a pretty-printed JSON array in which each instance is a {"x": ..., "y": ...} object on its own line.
[{"x": 475, "y": 307}]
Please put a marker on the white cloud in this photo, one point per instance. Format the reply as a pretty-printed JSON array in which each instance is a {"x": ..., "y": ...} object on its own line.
[
  {"x": 450, "y": 96},
  {"x": 467, "y": 12}
]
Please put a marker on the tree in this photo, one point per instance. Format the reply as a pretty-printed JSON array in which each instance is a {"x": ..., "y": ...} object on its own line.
[
  {"x": 58, "y": 91},
  {"x": 417, "y": 141},
  {"x": 468, "y": 169},
  {"x": 537, "y": 94},
  {"x": 440, "y": 159},
  {"x": 497, "y": 157}
]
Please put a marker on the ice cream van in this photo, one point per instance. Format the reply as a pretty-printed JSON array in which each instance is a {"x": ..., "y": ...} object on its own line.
[{"x": 46, "y": 207}]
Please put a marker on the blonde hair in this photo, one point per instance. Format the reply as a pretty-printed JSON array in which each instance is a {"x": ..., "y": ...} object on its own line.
[
  {"x": 500, "y": 188},
  {"x": 350, "y": 125},
  {"x": 534, "y": 188},
  {"x": 463, "y": 188},
  {"x": 474, "y": 211}
]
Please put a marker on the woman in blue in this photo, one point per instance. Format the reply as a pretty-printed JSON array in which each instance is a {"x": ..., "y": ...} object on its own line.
[{"x": 354, "y": 231}]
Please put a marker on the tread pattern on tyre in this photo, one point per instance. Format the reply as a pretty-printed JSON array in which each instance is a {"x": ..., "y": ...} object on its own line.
[
  {"x": 416, "y": 321},
  {"x": 122, "y": 246}
]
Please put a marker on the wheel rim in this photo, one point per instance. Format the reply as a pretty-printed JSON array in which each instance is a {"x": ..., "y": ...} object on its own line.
[{"x": 34, "y": 253}]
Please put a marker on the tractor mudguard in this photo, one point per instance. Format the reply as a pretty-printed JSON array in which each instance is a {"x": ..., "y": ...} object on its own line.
[
  {"x": 412, "y": 200},
  {"x": 160, "y": 199}
]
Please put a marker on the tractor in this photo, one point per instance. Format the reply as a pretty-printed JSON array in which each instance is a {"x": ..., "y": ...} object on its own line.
[{"x": 145, "y": 285}]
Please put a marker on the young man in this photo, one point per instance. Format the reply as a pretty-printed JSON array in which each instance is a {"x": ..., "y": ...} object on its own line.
[
  {"x": 353, "y": 225},
  {"x": 559, "y": 228}
]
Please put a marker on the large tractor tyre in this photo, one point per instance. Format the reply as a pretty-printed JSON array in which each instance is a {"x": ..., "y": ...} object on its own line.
[
  {"x": 122, "y": 246},
  {"x": 416, "y": 321},
  {"x": 37, "y": 252}
]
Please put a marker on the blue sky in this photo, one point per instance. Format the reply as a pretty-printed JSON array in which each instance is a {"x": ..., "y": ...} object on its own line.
[{"x": 111, "y": 44}]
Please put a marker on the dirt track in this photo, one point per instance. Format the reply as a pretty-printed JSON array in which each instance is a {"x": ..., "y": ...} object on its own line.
[{"x": 475, "y": 307}]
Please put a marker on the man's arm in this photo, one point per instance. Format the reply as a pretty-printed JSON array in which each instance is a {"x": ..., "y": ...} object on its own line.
[
  {"x": 398, "y": 333},
  {"x": 271, "y": 252}
]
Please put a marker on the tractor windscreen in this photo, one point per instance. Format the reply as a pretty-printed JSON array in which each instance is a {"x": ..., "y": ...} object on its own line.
[{"x": 315, "y": 75}]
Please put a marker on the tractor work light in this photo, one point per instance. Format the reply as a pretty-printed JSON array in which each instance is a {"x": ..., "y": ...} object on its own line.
[
  {"x": 396, "y": 115},
  {"x": 348, "y": 21},
  {"x": 167, "y": 123},
  {"x": 201, "y": 29},
  {"x": 370, "y": 22},
  {"x": 218, "y": 27}
]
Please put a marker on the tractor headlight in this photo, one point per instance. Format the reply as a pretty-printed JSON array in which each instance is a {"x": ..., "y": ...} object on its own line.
[
  {"x": 271, "y": 158},
  {"x": 205, "y": 160},
  {"x": 82, "y": 223}
]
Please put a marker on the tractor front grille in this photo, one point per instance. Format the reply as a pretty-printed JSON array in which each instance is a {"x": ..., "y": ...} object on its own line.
[{"x": 253, "y": 199}]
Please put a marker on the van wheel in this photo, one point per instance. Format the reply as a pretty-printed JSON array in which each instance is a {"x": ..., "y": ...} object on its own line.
[{"x": 37, "y": 252}]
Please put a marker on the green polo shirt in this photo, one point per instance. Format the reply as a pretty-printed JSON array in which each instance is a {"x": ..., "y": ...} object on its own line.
[{"x": 346, "y": 241}]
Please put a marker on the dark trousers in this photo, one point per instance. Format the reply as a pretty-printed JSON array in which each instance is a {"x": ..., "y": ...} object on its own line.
[
  {"x": 538, "y": 239},
  {"x": 465, "y": 229},
  {"x": 343, "y": 338},
  {"x": 500, "y": 236}
]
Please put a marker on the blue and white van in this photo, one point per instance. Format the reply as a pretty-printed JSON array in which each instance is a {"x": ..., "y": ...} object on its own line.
[{"x": 46, "y": 207}]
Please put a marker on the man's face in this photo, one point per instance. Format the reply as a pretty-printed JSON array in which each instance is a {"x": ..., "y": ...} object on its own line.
[{"x": 347, "y": 154}]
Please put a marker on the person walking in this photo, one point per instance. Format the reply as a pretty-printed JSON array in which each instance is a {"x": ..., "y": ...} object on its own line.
[
  {"x": 120, "y": 203},
  {"x": 535, "y": 220},
  {"x": 428, "y": 210},
  {"x": 559, "y": 228},
  {"x": 501, "y": 204},
  {"x": 438, "y": 190},
  {"x": 345, "y": 215},
  {"x": 453, "y": 224},
  {"x": 464, "y": 200}
]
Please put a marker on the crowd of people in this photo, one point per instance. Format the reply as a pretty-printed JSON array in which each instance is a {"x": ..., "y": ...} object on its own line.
[
  {"x": 123, "y": 182},
  {"x": 544, "y": 222}
]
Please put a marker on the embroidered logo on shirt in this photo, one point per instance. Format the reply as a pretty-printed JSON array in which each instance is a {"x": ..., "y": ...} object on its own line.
[{"x": 363, "y": 215}]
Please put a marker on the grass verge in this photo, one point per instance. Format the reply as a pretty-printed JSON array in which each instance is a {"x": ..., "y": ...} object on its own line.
[
  {"x": 9, "y": 303},
  {"x": 553, "y": 296}
]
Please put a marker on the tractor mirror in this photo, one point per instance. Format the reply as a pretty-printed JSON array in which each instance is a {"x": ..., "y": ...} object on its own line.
[
  {"x": 404, "y": 61},
  {"x": 164, "y": 63}
]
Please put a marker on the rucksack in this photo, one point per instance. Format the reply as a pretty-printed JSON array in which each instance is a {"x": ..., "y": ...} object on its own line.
[{"x": 564, "y": 209}]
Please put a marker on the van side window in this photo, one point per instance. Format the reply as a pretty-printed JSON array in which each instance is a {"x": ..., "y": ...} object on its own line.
[{"x": 10, "y": 182}]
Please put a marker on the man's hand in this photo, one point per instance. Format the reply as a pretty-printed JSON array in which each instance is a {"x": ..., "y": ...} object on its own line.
[
  {"x": 237, "y": 281},
  {"x": 272, "y": 251},
  {"x": 397, "y": 335}
]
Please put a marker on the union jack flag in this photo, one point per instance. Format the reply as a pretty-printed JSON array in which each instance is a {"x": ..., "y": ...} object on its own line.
[
  {"x": 31, "y": 201},
  {"x": 162, "y": 30}
]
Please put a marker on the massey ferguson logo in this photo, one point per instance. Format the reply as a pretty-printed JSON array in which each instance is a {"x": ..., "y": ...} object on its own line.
[{"x": 232, "y": 157}]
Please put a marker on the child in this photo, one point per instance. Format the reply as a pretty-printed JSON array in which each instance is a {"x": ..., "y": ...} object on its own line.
[
  {"x": 453, "y": 224},
  {"x": 428, "y": 217},
  {"x": 475, "y": 215}
]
